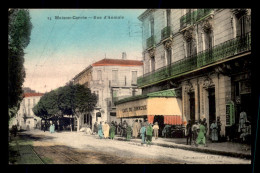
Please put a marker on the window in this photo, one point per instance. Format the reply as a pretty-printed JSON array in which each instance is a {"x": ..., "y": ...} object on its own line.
[
  {"x": 29, "y": 112},
  {"x": 152, "y": 26},
  {"x": 99, "y": 75},
  {"x": 28, "y": 102},
  {"x": 152, "y": 64},
  {"x": 191, "y": 47},
  {"x": 33, "y": 102},
  {"x": 208, "y": 40},
  {"x": 114, "y": 76},
  {"x": 134, "y": 77}
]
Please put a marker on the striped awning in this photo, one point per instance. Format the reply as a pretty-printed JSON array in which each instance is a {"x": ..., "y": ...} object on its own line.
[{"x": 168, "y": 119}]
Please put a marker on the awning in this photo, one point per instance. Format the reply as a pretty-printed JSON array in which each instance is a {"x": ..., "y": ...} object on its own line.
[
  {"x": 168, "y": 119},
  {"x": 157, "y": 103}
]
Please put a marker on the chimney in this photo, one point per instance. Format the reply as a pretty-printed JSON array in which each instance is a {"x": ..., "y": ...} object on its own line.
[{"x": 123, "y": 55}]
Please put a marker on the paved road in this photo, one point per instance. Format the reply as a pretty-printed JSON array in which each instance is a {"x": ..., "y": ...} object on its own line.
[{"x": 79, "y": 148}]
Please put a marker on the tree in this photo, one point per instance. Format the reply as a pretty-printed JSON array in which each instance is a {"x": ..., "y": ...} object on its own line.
[
  {"x": 71, "y": 100},
  {"x": 19, "y": 31},
  {"x": 84, "y": 101}
]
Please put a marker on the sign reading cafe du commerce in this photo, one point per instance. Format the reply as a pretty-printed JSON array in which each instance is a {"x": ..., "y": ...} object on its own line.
[
  {"x": 132, "y": 109},
  {"x": 135, "y": 109}
]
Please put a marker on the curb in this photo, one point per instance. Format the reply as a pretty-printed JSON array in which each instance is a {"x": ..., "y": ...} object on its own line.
[{"x": 203, "y": 150}]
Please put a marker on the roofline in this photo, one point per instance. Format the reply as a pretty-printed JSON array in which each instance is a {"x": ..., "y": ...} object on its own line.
[
  {"x": 145, "y": 13},
  {"x": 80, "y": 73}
]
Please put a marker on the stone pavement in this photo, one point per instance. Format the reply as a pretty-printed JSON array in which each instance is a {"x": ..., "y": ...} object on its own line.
[{"x": 221, "y": 148}]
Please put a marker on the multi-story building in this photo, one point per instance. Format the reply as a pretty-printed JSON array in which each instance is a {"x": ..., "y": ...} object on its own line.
[
  {"x": 25, "y": 118},
  {"x": 202, "y": 54},
  {"x": 110, "y": 80}
]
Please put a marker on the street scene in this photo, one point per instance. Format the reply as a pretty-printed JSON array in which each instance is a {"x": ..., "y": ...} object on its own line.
[
  {"x": 133, "y": 86},
  {"x": 74, "y": 148}
]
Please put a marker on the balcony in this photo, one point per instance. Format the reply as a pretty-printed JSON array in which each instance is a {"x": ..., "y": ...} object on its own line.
[
  {"x": 193, "y": 17},
  {"x": 219, "y": 52},
  {"x": 150, "y": 42},
  {"x": 166, "y": 32}
]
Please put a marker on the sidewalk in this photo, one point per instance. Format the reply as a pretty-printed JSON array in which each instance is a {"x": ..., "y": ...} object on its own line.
[{"x": 221, "y": 148}]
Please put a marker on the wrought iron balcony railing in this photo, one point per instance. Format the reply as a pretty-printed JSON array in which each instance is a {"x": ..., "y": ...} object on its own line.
[
  {"x": 219, "y": 52},
  {"x": 166, "y": 32},
  {"x": 150, "y": 42},
  {"x": 193, "y": 17}
]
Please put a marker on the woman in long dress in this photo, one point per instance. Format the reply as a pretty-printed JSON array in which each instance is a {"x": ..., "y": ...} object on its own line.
[
  {"x": 106, "y": 130},
  {"x": 100, "y": 131},
  {"x": 201, "y": 139},
  {"x": 214, "y": 131}
]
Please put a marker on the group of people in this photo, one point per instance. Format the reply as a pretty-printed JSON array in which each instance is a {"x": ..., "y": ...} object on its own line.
[
  {"x": 139, "y": 129},
  {"x": 197, "y": 132}
]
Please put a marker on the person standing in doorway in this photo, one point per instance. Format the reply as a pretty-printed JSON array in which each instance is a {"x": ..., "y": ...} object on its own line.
[
  {"x": 214, "y": 131},
  {"x": 149, "y": 134},
  {"x": 156, "y": 129},
  {"x": 188, "y": 132},
  {"x": 100, "y": 131},
  {"x": 219, "y": 128}
]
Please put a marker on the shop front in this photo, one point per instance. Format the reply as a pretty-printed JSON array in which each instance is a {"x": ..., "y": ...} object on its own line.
[{"x": 163, "y": 107}]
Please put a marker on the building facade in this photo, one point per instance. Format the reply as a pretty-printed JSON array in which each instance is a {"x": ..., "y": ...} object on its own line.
[
  {"x": 203, "y": 54},
  {"x": 25, "y": 118},
  {"x": 110, "y": 80}
]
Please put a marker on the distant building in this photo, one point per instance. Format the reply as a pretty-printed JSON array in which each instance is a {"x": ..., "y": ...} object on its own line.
[
  {"x": 25, "y": 118},
  {"x": 110, "y": 80}
]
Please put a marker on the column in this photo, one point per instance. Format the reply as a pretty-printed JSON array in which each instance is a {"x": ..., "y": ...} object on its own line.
[{"x": 196, "y": 94}]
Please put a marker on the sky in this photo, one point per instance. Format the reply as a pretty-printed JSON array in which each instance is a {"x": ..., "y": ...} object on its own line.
[{"x": 66, "y": 41}]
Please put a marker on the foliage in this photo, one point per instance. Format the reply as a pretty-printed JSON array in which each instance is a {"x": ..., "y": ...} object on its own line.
[
  {"x": 68, "y": 100},
  {"x": 19, "y": 31}
]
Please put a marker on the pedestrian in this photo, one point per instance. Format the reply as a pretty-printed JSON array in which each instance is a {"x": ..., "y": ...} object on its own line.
[
  {"x": 149, "y": 134},
  {"x": 201, "y": 139},
  {"x": 128, "y": 132},
  {"x": 156, "y": 129},
  {"x": 106, "y": 130},
  {"x": 188, "y": 132},
  {"x": 219, "y": 127},
  {"x": 52, "y": 128},
  {"x": 242, "y": 120},
  {"x": 124, "y": 128},
  {"x": 166, "y": 130},
  {"x": 142, "y": 133},
  {"x": 195, "y": 130},
  {"x": 95, "y": 128},
  {"x": 204, "y": 122},
  {"x": 100, "y": 131},
  {"x": 115, "y": 124},
  {"x": 139, "y": 126},
  {"x": 135, "y": 129},
  {"x": 112, "y": 130},
  {"x": 214, "y": 131}
]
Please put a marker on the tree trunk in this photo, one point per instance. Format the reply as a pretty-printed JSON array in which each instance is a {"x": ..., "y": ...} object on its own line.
[{"x": 78, "y": 119}]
